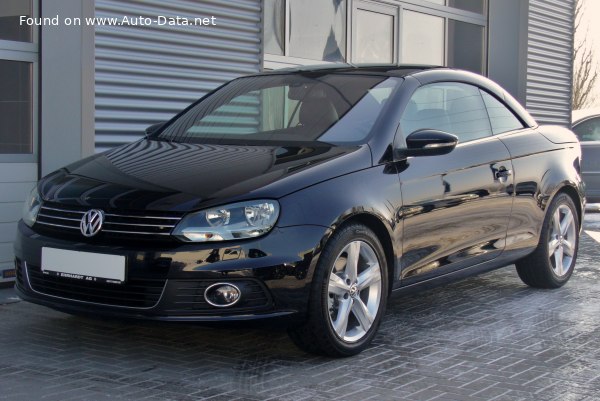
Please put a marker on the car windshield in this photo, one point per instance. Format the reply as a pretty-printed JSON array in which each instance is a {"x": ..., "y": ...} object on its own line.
[{"x": 331, "y": 108}]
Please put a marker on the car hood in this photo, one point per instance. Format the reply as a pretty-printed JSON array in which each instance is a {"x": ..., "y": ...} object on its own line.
[{"x": 158, "y": 175}]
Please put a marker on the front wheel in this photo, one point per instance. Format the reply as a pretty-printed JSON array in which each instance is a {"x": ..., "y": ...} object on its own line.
[
  {"x": 552, "y": 263},
  {"x": 348, "y": 297}
]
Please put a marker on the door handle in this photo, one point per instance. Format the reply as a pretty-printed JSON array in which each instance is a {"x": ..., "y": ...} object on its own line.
[{"x": 503, "y": 172}]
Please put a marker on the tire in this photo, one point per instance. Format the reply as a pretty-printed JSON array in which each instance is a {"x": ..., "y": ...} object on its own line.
[
  {"x": 347, "y": 299},
  {"x": 552, "y": 263}
]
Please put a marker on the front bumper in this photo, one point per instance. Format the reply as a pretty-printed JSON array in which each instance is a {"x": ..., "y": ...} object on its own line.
[{"x": 167, "y": 281}]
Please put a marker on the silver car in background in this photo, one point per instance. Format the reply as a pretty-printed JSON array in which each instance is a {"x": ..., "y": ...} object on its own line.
[{"x": 586, "y": 124}]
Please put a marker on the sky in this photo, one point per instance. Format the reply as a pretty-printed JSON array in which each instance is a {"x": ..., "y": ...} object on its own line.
[{"x": 590, "y": 28}]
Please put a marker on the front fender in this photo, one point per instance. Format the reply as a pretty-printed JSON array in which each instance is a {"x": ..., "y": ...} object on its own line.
[{"x": 372, "y": 195}]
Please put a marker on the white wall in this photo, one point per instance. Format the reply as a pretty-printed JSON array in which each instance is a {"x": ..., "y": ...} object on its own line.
[{"x": 16, "y": 180}]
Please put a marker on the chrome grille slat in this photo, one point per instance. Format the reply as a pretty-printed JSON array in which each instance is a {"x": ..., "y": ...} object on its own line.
[
  {"x": 57, "y": 225},
  {"x": 67, "y": 218},
  {"x": 134, "y": 232},
  {"x": 142, "y": 217},
  {"x": 62, "y": 210},
  {"x": 57, "y": 217},
  {"x": 141, "y": 225}
]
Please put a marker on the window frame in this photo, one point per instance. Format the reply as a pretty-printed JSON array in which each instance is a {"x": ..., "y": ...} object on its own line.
[
  {"x": 379, "y": 8},
  {"x": 27, "y": 52},
  {"x": 445, "y": 31},
  {"x": 450, "y": 13},
  {"x": 272, "y": 61}
]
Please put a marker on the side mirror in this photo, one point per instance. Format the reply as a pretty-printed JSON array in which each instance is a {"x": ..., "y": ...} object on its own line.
[
  {"x": 153, "y": 128},
  {"x": 429, "y": 142}
]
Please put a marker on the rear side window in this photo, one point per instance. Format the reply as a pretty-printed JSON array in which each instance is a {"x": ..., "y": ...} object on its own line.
[
  {"x": 501, "y": 118},
  {"x": 589, "y": 130},
  {"x": 451, "y": 107}
]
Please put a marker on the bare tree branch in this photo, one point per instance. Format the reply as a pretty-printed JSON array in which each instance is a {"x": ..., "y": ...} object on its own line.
[{"x": 585, "y": 67}]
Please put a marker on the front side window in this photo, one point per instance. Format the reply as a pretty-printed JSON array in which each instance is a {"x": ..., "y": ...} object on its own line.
[
  {"x": 588, "y": 130},
  {"x": 332, "y": 108},
  {"x": 501, "y": 118},
  {"x": 451, "y": 107}
]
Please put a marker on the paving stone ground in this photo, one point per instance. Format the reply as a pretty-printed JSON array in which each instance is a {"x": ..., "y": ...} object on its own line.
[{"x": 484, "y": 338}]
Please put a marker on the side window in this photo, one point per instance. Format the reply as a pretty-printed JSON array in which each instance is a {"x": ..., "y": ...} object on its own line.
[
  {"x": 501, "y": 118},
  {"x": 451, "y": 107},
  {"x": 588, "y": 130}
]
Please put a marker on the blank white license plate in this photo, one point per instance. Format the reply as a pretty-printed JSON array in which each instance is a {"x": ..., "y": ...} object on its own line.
[{"x": 95, "y": 267}]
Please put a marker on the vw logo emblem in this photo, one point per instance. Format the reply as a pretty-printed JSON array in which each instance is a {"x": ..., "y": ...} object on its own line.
[{"x": 91, "y": 222}]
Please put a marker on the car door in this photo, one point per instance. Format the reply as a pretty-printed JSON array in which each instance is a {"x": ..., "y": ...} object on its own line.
[
  {"x": 588, "y": 132},
  {"x": 456, "y": 207}
]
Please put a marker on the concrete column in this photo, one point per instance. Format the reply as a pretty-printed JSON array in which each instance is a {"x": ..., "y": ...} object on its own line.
[
  {"x": 67, "y": 85},
  {"x": 507, "y": 45}
]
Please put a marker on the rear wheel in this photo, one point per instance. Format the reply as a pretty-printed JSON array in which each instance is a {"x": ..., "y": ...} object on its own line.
[
  {"x": 349, "y": 294},
  {"x": 553, "y": 261}
]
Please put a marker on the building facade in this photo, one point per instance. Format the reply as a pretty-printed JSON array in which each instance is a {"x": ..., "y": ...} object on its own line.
[{"x": 68, "y": 90}]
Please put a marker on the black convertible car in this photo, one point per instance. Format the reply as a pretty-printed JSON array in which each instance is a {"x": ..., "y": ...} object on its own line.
[{"x": 310, "y": 194}]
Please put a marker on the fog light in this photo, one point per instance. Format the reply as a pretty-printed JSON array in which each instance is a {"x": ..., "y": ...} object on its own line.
[{"x": 222, "y": 295}]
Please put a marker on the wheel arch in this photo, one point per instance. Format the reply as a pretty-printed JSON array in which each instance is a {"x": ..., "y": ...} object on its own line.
[
  {"x": 383, "y": 233},
  {"x": 575, "y": 196}
]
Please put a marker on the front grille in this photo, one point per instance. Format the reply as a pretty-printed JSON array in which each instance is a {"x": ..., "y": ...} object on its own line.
[
  {"x": 136, "y": 293},
  {"x": 146, "y": 225},
  {"x": 188, "y": 296}
]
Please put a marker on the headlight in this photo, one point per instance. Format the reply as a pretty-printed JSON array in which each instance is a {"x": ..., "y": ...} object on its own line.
[
  {"x": 236, "y": 221},
  {"x": 32, "y": 207}
]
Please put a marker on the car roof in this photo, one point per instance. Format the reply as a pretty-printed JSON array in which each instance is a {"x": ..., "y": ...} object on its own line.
[
  {"x": 395, "y": 70},
  {"x": 579, "y": 115}
]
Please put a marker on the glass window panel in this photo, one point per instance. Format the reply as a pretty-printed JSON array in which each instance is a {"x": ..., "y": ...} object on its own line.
[
  {"x": 466, "y": 46},
  {"x": 333, "y": 108},
  {"x": 450, "y": 107},
  {"x": 501, "y": 118},
  {"x": 318, "y": 29},
  {"x": 10, "y": 23},
  {"x": 15, "y": 107},
  {"x": 374, "y": 37},
  {"x": 588, "y": 130},
  {"x": 274, "y": 26},
  {"x": 422, "y": 39},
  {"x": 476, "y": 6}
]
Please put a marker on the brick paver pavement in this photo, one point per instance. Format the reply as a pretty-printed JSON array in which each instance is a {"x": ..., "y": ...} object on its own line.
[{"x": 485, "y": 338}]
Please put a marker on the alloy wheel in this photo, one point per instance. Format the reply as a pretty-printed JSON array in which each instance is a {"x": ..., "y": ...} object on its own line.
[
  {"x": 562, "y": 240},
  {"x": 354, "y": 291}
]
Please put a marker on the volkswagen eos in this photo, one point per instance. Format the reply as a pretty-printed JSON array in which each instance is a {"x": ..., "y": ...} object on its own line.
[{"x": 310, "y": 195}]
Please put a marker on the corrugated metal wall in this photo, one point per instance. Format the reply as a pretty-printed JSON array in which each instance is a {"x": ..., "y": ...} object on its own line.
[
  {"x": 146, "y": 74},
  {"x": 549, "y": 66}
]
